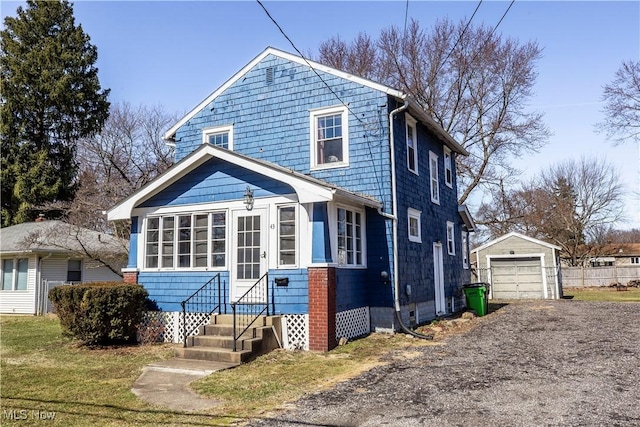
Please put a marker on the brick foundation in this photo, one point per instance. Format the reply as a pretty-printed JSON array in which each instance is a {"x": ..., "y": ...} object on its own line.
[
  {"x": 322, "y": 308},
  {"x": 130, "y": 277}
]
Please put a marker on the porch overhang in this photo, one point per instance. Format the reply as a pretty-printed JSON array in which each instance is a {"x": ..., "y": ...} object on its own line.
[
  {"x": 307, "y": 189},
  {"x": 466, "y": 217}
]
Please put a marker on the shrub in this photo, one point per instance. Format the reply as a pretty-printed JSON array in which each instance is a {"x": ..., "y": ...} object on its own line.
[{"x": 100, "y": 313}]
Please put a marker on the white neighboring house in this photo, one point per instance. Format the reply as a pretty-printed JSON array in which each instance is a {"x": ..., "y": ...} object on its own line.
[{"x": 36, "y": 256}]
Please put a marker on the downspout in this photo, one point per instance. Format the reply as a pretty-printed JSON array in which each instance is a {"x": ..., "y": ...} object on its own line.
[{"x": 394, "y": 220}]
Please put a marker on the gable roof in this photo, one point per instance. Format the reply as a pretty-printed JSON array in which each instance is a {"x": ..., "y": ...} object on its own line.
[
  {"x": 518, "y": 235},
  {"x": 414, "y": 107},
  {"x": 308, "y": 189},
  {"x": 58, "y": 237}
]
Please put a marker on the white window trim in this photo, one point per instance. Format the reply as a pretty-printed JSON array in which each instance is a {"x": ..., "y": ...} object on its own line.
[
  {"x": 313, "y": 132},
  {"x": 14, "y": 275},
  {"x": 415, "y": 214},
  {"x": 206, "y": 132},
  {"x": 297, "y": 236},
  {"x": 334, "y": 234},
  {"x": 434, "y": 157},
  {"x": 81, "y": 269},
  {"x": 451, "y": 241},
  {"x": 142, "y": 243},
  {"x": 448, "y": 177},
  {"x": 465, "y": 249},
  {"x": 411, "y": 122}
]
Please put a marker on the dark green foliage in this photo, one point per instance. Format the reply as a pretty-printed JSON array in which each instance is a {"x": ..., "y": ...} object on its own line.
[
  {"x": 50, "y": 97},
  {"x": 100, "y": 313}
]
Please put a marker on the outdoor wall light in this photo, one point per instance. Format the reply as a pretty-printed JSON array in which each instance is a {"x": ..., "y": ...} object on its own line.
[
  {"x": 385, "y": 277},
  {"x": 248, "y": 198}
]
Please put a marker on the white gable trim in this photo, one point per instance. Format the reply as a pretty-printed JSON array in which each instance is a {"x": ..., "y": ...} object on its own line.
[
  {"x": 308, "y": 190},
  {"x": 515, "y": 234}
]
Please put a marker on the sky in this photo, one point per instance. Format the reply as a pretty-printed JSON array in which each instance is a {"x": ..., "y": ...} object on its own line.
[{"x": 176, "y": 53}]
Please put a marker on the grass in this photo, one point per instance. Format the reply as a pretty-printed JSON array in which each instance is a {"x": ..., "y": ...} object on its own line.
[
  {"x": 41, "y": 370},
  {"x": 603, "y": 294}
]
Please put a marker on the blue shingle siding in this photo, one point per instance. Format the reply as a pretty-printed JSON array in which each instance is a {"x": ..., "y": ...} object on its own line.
[
  {"x": 217, "y": 181},
  {"x": 169, "y": 288},
  {"x": 293, "y": 298},
  {"x": 271, "y": 122},
  {"x": 351, "y": 288}
]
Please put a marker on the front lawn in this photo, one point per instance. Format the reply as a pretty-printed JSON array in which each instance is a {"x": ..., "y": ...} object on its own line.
[{"x": 45, "y": 374}]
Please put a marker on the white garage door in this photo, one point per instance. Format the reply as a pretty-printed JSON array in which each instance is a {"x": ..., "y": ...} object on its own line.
[{"x": 516, "y": 278}]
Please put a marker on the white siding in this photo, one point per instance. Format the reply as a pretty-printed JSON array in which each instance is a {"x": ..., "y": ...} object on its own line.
[
  {"x": 21, "y": 302},
  {"x": 94, "y": 272}
]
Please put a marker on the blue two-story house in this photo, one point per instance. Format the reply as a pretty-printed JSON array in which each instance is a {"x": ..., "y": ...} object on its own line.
[{"x": 334, "y": 193}]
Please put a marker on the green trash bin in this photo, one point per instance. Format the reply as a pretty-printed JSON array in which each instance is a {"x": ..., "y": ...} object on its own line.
[{"x": 476, "y": 297}]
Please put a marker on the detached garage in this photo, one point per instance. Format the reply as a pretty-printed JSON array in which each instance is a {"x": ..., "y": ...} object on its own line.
[{"x": 519, "y": 267}]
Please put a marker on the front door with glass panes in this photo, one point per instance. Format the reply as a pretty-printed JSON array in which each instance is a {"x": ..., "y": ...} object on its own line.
[{"x": 249, "y": 253}]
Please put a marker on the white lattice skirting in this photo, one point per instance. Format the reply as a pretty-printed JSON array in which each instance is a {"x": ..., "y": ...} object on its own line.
[
  {"x": 167, "y": 326},
  {"x": 353, "y": 323}
]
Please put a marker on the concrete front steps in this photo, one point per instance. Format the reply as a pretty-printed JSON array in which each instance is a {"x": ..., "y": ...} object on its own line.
[{"x": 214, "y": 341}]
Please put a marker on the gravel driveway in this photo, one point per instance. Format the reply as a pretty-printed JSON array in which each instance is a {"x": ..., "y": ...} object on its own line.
[{"x": 558, "y": 363}]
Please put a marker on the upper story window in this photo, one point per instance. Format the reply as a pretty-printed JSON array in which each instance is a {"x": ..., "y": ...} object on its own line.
[
  {"x": 433, "y": 174},
  {"x": 635, "y": 260},
  {"x": 14, "y": 274},
  {"x": 412, "y": 144},
  {"x": 415, "y": 233},
  {"x": 220, "y": 136},
  {"x": 329, "y": 138},
  {"x": 74, "y": 271},
  {"x": 465, "y": 250},
  {"x": 287, "y": 235},
  {"x": 350, "y": 237},
  {"x": 186, "y": 241},
  {"x": 448, "y": 170}
]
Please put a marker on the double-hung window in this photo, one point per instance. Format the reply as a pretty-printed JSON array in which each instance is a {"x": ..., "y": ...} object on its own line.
[
  {"x": 287, "y": 235},
  {"x": 186, "y": 241},
  {"x": 448, "y": 168},
  {"x": 220, "y": 136},
  {"x": 329, "y": 138},
  {"x": 14, "y": 274},
  {"x": 350, "y": 237},
  {"x": 415, "y": 234},
  {"x": 74, "y": 271},
  {"x": 451, "y": 245},
  {"x": 433, "y": 174},
  {"x": 412, "y": 144}
]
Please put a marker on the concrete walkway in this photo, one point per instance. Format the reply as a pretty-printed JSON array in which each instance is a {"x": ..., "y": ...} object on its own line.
[{"x": 166, "y": 383}]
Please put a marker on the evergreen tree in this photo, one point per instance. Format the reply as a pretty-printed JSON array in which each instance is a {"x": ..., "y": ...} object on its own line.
[{"x": 50, "y": 97}]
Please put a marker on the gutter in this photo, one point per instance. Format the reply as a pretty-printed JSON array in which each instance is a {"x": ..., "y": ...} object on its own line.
[
  {"x": 42, "y": 298},
  {"x": 394, "y": 218}
]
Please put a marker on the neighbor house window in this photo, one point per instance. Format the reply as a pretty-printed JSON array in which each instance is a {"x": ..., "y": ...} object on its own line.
[
  {"x": 412, "y": 144},
  {"x": 329, "y": 138},
  {"x": 287, "y": 235},
  {"x": 451, "y": 245},
  {"x": 635, "y": 260},
  {"x": 465, "y": 250},
  {"x": 433, "y": 174},
  {"x": 74, "y": 270},
  {"x": 221, "y": 136},
  {"x": 186, "y": 241},
  {"x": 350, "y": 237},
  {"x": 14, "y": 274},
  {"x": 448, "y": 171},
  {"x": 415, "y": 234}
]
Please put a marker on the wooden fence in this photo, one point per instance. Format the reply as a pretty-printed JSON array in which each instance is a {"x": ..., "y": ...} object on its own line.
[{"x": 581, "y": 277}]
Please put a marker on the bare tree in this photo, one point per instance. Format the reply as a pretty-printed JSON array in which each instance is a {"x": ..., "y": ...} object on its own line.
[
  {"x": 127, "y": 154},
  {"x": 475, "y": 84},
  {"x": 622, "y": 105},
  {"x": 569, "y": 204}
]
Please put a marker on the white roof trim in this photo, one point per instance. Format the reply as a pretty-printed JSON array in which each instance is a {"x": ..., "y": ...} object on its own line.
[
  {"x": 466, "y": 217},
  {"x": 308, "y": 189},
  {"x": 415, "y": 107},
  {"x": 515, "y": 234}
]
